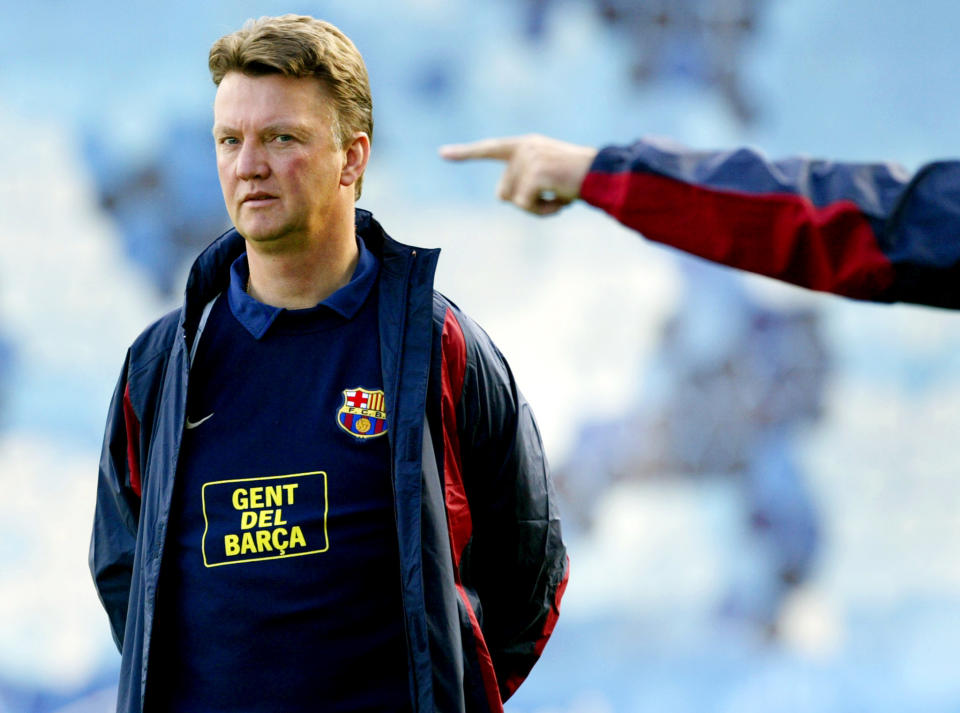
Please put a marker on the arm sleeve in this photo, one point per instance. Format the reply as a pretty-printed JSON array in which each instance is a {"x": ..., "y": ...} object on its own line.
[
  {"x": 117, "y": 508},
  {"x": 867, "y": 231},
  {"x": 514, "y": 563}
]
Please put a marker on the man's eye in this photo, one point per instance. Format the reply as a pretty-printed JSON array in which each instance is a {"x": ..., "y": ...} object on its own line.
[
  {"x": 229, "y": 140},
  {"x": 284, "y": 138}
]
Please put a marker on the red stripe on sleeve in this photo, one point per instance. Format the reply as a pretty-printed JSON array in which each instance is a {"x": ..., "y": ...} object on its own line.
[
  {"x": 513, "y": 683},
  {"x": 453, "y": 367},
  {"x": 831, "y": 248},
  {"x": 487, "y": 672},
  {"x": 133, "y": 441},
  {"x": 459, "y": 522}
]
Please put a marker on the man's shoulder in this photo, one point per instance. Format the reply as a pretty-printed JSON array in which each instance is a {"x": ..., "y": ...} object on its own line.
[
  {"x": 155, "y": 341},
  {"x": 441, "y": 303},
  {"x": 458, "y": 326},
  {"x": 446, "y": 312}
]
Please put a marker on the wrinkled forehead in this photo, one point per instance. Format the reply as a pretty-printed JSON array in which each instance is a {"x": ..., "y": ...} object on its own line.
[{"x": 248, "y": 101}]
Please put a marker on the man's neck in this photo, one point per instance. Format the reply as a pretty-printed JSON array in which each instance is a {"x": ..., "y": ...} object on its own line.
[{"x": 302, "y": 274}]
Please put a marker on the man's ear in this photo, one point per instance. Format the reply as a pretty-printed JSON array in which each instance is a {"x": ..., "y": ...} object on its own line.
[{"x": 355, "y": 157}]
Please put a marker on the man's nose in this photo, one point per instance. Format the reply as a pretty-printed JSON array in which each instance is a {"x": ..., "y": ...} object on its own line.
[{"x": 252, "y": 161}]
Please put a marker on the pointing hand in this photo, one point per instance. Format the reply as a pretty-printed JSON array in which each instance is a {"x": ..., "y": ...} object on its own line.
[{"x": 542, "y": 175}]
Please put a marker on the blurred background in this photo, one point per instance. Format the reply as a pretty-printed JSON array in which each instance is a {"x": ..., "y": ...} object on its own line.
[{"x": 761, "y": 486}]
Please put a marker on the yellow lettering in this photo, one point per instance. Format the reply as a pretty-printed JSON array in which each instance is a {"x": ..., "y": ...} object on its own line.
[
  {"x": 262, "y": 521},
  {"x": 279, "y": 544},
  {"x": 274, "y": 495},
  {"x": 263, "y": 540},
  {"x": 296, "y": 537},
  {"x": 240, "y": 499}
]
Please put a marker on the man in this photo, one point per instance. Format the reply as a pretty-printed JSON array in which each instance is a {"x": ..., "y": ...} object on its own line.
[
  {"x": 320, "y": 488},
  {"x": 867, "y": 231}
]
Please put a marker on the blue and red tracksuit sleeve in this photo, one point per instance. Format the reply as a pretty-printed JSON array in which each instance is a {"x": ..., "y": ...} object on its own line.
[
  {"x": 511, "y": 566},
  {"x": 116, "y": 517},
  {"x": 867, "y": 231},
  {"x": 123, "y": 457}
]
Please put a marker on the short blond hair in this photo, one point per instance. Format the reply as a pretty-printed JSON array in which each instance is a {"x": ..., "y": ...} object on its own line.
[{"x": 302, "y": 46}]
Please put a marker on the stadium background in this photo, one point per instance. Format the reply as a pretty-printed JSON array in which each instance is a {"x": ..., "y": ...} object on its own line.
[{"x": 711, "y": 431}]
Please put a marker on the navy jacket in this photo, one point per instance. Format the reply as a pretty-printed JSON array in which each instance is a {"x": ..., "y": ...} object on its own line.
[
  {"x": 483, "y": 566},
  {"x": 868, "y": 231}
]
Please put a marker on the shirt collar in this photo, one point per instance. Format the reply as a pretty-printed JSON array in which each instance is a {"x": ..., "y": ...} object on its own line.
[{"x": 257, "y": 317}]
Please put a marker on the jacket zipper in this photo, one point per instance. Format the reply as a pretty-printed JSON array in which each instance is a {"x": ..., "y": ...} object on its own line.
[
  {"x": 393, "y": 483},
  {"x": 161, "y": 531}
]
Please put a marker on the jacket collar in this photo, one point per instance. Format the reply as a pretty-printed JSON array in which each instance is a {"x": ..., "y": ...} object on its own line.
[{"x": 210, "y": 273}]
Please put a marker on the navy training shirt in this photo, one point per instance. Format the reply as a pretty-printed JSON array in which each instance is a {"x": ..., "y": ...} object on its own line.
[{"x": 280, "y": 587}]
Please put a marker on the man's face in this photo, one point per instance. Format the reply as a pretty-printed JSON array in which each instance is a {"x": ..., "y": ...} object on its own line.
[{"x": 277, "y": 157}]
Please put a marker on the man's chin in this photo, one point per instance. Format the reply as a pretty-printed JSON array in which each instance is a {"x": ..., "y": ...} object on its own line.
[{"x": 260, "y": 235}]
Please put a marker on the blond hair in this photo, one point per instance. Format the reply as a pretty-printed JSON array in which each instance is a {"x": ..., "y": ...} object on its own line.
[{"x": 302, "y": 46}]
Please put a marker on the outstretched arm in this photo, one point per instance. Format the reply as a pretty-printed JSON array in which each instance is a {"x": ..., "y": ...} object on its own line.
[
  {"x": 865, "y": 230},
  {"x": 868, "y": 231}
]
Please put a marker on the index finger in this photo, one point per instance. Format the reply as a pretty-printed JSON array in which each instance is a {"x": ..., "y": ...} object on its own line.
[{"x": 501, "y": 149}]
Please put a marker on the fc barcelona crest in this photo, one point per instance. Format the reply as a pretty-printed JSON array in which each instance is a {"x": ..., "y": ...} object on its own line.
[{"x": 363, "y": 413}]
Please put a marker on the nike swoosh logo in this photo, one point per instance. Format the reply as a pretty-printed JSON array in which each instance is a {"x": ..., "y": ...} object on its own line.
[{"x": 193, "y": 424}]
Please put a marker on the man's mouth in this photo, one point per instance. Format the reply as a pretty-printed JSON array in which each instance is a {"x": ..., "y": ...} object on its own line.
[{"x": 258, "y": 198}]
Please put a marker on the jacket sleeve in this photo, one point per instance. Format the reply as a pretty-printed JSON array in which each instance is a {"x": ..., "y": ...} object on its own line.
[
  {"x": 505, "y": 531},
  {"x": 867, "y": 231},
  {"x": 117, "y": 508}
]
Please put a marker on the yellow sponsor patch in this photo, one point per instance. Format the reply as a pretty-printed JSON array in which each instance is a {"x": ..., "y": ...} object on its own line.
[{"x": 256, "y": 519}]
